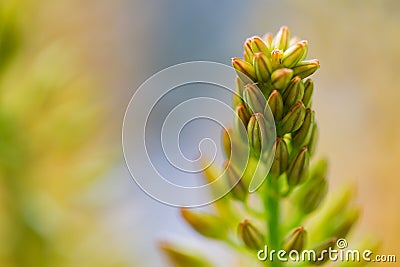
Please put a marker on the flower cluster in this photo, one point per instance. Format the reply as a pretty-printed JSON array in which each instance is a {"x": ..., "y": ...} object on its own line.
[{"x": 285, "y": 212}]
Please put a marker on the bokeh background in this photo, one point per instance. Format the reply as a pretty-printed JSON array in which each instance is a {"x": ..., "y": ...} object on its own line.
[{"x": 68, "y": 69}]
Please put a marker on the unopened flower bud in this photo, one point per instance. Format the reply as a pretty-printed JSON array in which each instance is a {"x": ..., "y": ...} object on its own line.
[
  {"x": 242, "y": 118},
  {"x": 276, "y": 58},
  {"x": 321, "y": 255},
  {"x": 281, "y": 77},
  {"x": 244, "y": 70},
  {"x": 294, "y": 40},
  {"x": 257, "y": 133},
  {"x": 206, "y": 224},
  {"x": 275, "y": 103},
  {"x": 302, "y": 136},
  {"x": 268, "y": 38},
  {"x": 310, "y": 195},
  {"x": 254, "y": 98},
  {"x": 262, "y": 66},
  {"x": 226, "y": 141},
  {"x": 239, "y": 189},
  {"x": 312, "y": 145},
  {"x": 298, "y": 168},
  {"x": 281, "y": 39},
  {"x": 343, "y": 228},
  {"x": 308, "y": 92},
  {"x": 181, "y": 257},
  {"x": 237, "y": 96},
  {"x": 296, "y": 240},
  {"x": 248, "y": 52},
  {"x": 294, "y": 54},
  {"x": 306, "y": 67},
  {"x": 250, "y": 235},
  {"x": 258, "y": 45},
  {"x": 293, "y": 120},
  {"x": 294, "y": 92},
  {"x": 281, "y": 159}
]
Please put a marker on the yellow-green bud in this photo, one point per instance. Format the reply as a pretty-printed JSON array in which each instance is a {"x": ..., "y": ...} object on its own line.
[
  {"x": 306, "y": 67},
  {"x": 239, "y": 189},
  {"x": 206, "y": 224},
  {"x": 296, "y": 240},
  {"x": 258, "y": 45},
  {"x": 242, "y": 118},
  {"x": 237, "y": 97},
  {"x": 226, "y": 141},
  {"x": 268, "y": 38},
  {"x": 281, "y": 39},
  {"x": 302, "y": 136},
  {"x": 250, "y": 235},
  {"x": 276, "y": 58},
  {"x": 321, "y": 255},
  {"x": 180, "y": 257},
  {"x": 294, "y": 54},
  {"x": 298, "y": 168},
  {"x": 244, "y": 70},
  {"x": 293, "y": 120},
  {"x": 281, "y": 77},
  {"x": 313, "y": 140},
  {"x": 275, "y": 103},
  {"x": 310, "y": 195},
  {"x": 257, "y": 132},
  {"x": 343, "y": 228},
  {"x": 262, "y": 66},
  {"x": 254, "y": 98},
  {"x": 248, "y": 51},
  {"x": 294, "y": 40},
  {"x": 281, "y": 159},
  {"x": 294, "y": 92},
  {"x": 308, "y": 92}
]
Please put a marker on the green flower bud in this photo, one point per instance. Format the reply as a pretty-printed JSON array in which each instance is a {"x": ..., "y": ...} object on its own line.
[
  {"x": 308, "y": 92},
  {"x": 268, "y": 38},
  {"x": 263, "y": 67},
  {"x": 250, "y": 235},
  {"x": 302, "y": 136},
  {"x": 206, "y": 224},
  {"x": 343, "y": 228},
  {"x": 242, "y": 118},
  {"x": 306, "y": 67},
  {"x": 312, "y": 145},
  {"x": 281, "y": 39},
  {"x": 226, "y": 141},
  {"x": 254, "y": 98},
  {"x": 180, "y": 257},
  {"x": 239, "y": 189},
  {"x": 237, "y": 97},
  {"x": 292, "y": 120},
  {"x": 294, "y": 92},
  {"x": 310, "y": 195},
  {"x": 248, "y": 52},
  {"x": 258, "y": 45},
  {"x": 298, "y": 168},
  {"x": 275, "y": 103},
  {"x": 321, "y": 255},
  {"x": 281, "y": 159},
  {"x": 294, "y": 54},
  {"x": 257, "y": 132},
  {"x": 244, "y": 70},
  {"x": 276, "y": 58},
  {"x": 281, "y": 77},
  {"x": 296, "y": 240}
]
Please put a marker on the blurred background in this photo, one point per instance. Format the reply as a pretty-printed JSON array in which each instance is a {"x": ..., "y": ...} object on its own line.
[{"x": 69, "y": 68}]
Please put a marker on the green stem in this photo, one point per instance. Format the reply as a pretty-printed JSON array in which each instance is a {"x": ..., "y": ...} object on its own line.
[{"x": 272, "y": 207}]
